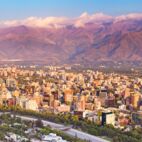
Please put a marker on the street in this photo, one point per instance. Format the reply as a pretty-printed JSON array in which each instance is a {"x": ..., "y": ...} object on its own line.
[{"x": 72, "y": 132}]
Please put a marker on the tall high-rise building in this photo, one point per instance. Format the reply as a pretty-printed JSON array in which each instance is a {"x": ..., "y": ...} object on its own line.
[
  {"x": 108, "y": 118},
  {"x": 135, "y": 98},
  {"x": 126, "y": 92},
  {"x": 81, "y": 103},
  {"x": 68, "y": 95}
]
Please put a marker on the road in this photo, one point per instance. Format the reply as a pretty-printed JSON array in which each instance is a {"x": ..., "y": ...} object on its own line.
[{"x": 71, "y": 132}]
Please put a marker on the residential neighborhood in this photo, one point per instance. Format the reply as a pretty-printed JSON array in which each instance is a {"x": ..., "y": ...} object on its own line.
[{"x": 102, "y": 98}]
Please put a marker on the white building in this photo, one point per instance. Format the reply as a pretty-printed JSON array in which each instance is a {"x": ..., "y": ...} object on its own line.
[
  {"x": 32, "y": 105},
  {"x": 52, "y": 137},
  {"x": 108, "y": 118}
]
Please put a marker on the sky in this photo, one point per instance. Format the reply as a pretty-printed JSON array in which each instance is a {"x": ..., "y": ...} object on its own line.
[{"x": 20, "y": 9}]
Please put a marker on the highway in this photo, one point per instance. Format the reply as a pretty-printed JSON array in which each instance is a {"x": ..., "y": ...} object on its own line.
[{"x": 71, "y": 131}]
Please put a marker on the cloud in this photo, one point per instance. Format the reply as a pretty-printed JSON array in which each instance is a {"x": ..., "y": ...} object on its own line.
[
  {"x": 60, "y": 22},
  {"x": 9, "y": 23},
  {"x": 45, "y": 22},
  {"x": 131, "y": 16},
  {"x": 37, "y": 22},
  {"x": 86, "y": 18}
]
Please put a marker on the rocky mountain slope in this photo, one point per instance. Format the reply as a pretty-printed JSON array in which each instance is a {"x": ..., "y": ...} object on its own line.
[{"x": 107, "y": 40}]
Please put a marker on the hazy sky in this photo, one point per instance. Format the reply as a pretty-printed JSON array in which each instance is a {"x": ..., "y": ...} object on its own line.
[{"x": 19, "y": 9}]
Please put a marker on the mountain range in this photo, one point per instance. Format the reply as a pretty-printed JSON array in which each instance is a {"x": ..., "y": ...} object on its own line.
[{"x": 87, "y": 39}]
